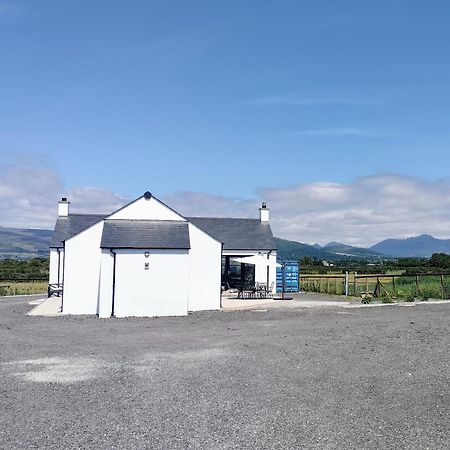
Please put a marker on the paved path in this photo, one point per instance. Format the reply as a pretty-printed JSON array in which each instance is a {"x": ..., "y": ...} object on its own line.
[{"x": 46, "y": 307}]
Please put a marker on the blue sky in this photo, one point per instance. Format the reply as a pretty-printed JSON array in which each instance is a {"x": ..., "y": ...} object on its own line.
[{"x": 227, "y": 98}]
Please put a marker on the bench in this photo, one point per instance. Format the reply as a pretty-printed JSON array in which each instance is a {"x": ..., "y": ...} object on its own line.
[{"x": 55, "y": 289}]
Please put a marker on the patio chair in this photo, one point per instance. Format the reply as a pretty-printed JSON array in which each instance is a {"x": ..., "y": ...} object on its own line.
[
  {"x": 261, "y": 290},
  {"x": 249, "y": 289}
]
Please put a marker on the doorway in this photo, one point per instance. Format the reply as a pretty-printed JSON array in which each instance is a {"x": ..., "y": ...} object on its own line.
[{"x": 235, "y": 274}]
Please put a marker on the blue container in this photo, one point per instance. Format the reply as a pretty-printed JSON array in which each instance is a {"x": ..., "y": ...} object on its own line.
[{"x": 289, "y": 274}]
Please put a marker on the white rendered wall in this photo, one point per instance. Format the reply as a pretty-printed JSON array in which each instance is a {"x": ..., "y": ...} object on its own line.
[
  {"x": 53, "y": 267},
  {"x": 61, "y": 265},
  {"x": 143, "y": 209},
  {"x": 82, "y": 271},
  {"x": 273, "y": 270},
  {"x": 106, "y": 282},
  {"x": 205, "y": 270},
  {"x": 162, "y": 290},
  {"x": 261, "y": 270}
]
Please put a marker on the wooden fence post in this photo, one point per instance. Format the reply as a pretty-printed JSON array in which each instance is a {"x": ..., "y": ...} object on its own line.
[
  {"x": 355, "y": 284},
  {"x": 417, "y": 285},
  {"x": 346, "y": 284},
  {"x": 443, "y": 286},
  {"x": 393, "y": 287}
]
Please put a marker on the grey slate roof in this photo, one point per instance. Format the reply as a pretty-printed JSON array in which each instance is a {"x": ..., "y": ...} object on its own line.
[
  {"x": 67, "y": 227},
  {"x": 167, "y": 234},
  {"x": 235, "y": 234},
  {"x": 238, "y": 234}
]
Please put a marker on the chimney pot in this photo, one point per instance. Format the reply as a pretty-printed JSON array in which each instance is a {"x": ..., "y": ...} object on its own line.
[
  {"x": 264, "y": 213},
  {"x": 63, "y": 207}
]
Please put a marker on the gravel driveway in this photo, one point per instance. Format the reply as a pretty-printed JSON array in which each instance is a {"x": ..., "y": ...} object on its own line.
[{"x": 285, "y": 378}]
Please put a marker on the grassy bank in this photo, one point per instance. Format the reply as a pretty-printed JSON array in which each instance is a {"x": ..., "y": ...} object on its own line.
[{"x": 23, "y": 288}]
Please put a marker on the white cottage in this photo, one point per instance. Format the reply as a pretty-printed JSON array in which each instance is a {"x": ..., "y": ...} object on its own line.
[{"x": 146, "y": 259}]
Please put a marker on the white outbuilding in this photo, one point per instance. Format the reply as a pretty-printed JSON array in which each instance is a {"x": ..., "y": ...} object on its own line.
[{"x": 146, "y": 259}]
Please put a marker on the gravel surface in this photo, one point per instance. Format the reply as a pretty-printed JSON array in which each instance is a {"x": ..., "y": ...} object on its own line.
[{"x": 285, "y": 378}]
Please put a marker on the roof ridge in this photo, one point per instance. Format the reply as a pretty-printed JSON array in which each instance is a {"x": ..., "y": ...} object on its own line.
[
  {"x": 85, "y": 214},
  {"x": 222, "y": 218},
  {"x": 145, "y": 220}
]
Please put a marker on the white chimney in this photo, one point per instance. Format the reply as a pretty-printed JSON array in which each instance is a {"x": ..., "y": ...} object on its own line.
[
  {"x": 63, "y": 207},
  {"x": 264, "y": 213}
]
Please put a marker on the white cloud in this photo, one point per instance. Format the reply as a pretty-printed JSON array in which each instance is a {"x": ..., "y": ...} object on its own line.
[
  {"x": 29, "y": 196},
  {"x": 361, "y": 212},
  {"x": 89, "y": 199},
  {"x": 203, "y": 204}
]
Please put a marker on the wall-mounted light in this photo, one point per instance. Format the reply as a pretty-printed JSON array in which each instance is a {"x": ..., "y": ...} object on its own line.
[{"x": 147, "y": 254}]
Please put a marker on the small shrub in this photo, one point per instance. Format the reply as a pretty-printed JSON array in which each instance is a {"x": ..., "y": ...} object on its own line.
[
  {"x": 428, "y": 293},
  {"x": 366, "y": 298},
  {"x": 410, "y": 298},
  {"x": 386, "y": 300}
]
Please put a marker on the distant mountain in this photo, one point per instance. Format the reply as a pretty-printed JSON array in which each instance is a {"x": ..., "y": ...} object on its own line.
[
  {"x": 332, "y": 244},
  {"x": 24, "y": 243},
  {"x": 32, "y": 243},
  {"x": 332, "y": 251},
  {"x": 419, "y": 246},
  {"x": 349, "y": 251},
  {"x": 291, "y": 250}
]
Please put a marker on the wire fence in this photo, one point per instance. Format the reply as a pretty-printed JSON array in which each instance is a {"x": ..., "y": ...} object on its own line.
[
  {"x": 326, "y": 284},
  {"x": 383, "y": 286}
]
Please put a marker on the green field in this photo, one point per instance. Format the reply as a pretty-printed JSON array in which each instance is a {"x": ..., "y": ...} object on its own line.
[
  {"x": 393, "y": 286},
  {"x": 23, "y": 287}
]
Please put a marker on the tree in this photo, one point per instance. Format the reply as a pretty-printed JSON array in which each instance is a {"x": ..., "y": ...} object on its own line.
[
  {"x": 306, "y": 261},
  {"x": 441, "y": 260}
]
